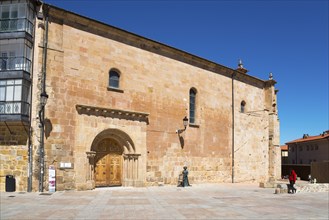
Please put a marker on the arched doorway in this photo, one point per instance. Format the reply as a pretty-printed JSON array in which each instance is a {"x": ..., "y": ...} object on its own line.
[
  {"x": 113, "y": 160},
  {"x": 108, "y": 163}
]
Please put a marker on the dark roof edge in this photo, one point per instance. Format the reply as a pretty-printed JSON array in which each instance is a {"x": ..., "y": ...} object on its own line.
[
  {"x": 212, "y": 63},
  {"x": 309, "y": 139}
]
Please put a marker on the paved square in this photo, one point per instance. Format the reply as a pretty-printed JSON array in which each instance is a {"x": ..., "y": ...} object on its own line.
[{"x": 204, "y": 201}]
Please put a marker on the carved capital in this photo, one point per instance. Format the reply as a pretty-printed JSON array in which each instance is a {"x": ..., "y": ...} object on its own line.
[{"x": 91, "y": 154}]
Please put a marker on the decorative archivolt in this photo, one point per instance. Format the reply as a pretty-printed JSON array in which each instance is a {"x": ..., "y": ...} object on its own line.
[
  {"x": 113, "y": 140},
  {"x": 109, "y": 146}
]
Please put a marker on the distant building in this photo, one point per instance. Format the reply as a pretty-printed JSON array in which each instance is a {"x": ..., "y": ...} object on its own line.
[
  {"x": 309, "y": 149},
  {"x": 308, "y": 155},
  {"x": 284, "y": 154}
]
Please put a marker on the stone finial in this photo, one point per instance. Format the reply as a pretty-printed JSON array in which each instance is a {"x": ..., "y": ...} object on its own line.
[
  {"x": 240, "y": 65},
  {"x": 241, "y": 68}
]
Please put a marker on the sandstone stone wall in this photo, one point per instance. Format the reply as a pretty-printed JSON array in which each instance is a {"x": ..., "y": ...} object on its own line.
[
  {"x": 13, "y": 156},
  {"x": 78, "y": 64},
  {"x": 251, "y": 134}
]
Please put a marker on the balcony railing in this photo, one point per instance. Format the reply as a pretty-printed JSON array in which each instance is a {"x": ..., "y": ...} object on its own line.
[
  {"x": 19, "y": 24},
  {"x": 14, "y": 107},
  {"x": 15, "y": 63}
]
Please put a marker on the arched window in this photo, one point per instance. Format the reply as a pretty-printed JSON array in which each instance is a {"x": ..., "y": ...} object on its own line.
[
  {"x": 243, "y": 106},
  {"x": 192, "y": 105},
  {"x": 114, "y": 79}
]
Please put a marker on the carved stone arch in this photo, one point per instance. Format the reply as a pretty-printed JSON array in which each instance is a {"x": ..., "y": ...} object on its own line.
[
  {"x": 113, "y": 160},
  {"x": 121, "y": 137}
]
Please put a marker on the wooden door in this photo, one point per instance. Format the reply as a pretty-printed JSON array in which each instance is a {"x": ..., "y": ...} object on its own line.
[
  {"x": 115, "y": 170},
  {"x": 108, "y": 170},
  {"x": 100, "y": 171}
]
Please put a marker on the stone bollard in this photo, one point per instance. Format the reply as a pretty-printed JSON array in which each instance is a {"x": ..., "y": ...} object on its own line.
[{"x": 277, "y": 191}]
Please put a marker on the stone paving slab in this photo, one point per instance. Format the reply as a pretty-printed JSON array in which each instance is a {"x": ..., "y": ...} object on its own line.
[{"x": 204, "y": 201}]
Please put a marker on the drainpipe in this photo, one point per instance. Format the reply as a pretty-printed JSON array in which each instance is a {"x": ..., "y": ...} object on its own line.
[
  {"x": 30, "y": 163},
  {"x": 42, "y": 110},
  {"x": 30, "y": 150},
  {"x": 233, "y": 74},
  {"x": 30, "y": 147}
]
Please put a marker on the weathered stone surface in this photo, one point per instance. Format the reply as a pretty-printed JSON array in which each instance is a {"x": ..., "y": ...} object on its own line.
[
  {"x": 13, "y": 164},
  {"x": 154, "y": 79}
]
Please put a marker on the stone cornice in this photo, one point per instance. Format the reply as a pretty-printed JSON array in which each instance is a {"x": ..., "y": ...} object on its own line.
[
  {"x": 63, "y": 17},
  {"x": 270, "y": 83},
  {"x": 112, "y": 113}
]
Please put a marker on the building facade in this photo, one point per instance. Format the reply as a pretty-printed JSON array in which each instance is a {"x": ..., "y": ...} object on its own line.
[
  {"x": 115, "y": 109},
  {"x": 284, "y": 154},
  {"x": 309, "y": 156},
  {"x": 309, "y": 149}
]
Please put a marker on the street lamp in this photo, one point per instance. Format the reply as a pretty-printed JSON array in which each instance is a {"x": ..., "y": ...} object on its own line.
[
  {"x": 43, "y": 102},
  {"x": 185, "y": 123},
  {"x": 43, "y": 98}
]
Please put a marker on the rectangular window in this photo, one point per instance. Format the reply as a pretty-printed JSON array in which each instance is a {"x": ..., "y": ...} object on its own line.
[
  {"x": 2, "y": 94},
  {"x": 14, "y": 11},
  {"x": 22, "y": 11},
  {"x": 10, "y": 93},
  {"x": 15, "y": 55},
  {"x": 192, "y": 106},
  {"x": 4, "y": 60},
  {"x": 5, "y": 12},
  {"x": 17, "y": 17},
  {"x": 14, "y": 97}
]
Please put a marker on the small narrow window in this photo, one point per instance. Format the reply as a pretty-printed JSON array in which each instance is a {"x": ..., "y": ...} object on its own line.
[
  {"x": 192, "y": 105},
  {"x": 243, "y": 106},
  {"x": 114, "y": 79}
]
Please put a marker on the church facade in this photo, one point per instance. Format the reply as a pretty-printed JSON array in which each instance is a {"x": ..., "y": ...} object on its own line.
[{"x": 123, "y": 110}]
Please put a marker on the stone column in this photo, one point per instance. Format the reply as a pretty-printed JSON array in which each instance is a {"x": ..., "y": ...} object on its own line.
[
  {"x": 130, "y": 173},
  {"x": 90, "y": 173}
]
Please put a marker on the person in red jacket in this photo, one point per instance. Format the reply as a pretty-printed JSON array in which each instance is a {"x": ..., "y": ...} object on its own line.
[{"x": 292, "y": 181}]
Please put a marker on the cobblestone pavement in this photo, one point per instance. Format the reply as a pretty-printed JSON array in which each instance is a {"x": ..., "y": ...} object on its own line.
[{"x": 203, "y": 201}]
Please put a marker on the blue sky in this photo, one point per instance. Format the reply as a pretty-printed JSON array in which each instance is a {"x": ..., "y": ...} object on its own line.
[{"x": 288, "y": 38}]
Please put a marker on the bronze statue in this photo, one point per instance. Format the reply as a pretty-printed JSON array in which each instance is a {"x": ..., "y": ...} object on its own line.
[{"x": 183, "y": 178}]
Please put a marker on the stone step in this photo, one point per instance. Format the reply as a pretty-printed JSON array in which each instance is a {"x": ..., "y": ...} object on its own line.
[{"x": 318, "y": 187}]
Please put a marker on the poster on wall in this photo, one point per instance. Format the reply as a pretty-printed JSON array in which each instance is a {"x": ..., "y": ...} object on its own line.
[{"x": 52, "y": 178}]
